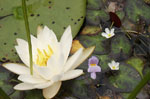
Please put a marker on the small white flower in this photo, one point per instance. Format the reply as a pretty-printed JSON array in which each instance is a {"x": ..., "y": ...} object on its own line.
[
  {"x": 51, "y": 62},
  {"x": 108, "y": 33},
  {"x": 114, "y": 65}
]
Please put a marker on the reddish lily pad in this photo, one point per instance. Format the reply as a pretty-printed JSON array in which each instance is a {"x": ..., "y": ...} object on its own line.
[{"x": 114, "y": 18}]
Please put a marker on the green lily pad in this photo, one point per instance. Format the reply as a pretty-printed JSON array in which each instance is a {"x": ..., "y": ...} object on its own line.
[
  {"x": 56, "y": 14},
  {"x": 94, "y": 17},
  {"x": 120, "y": 47},
  {"x": 136, "y": 9},
  {"x": 120, "y": 14},
  {"x": 17, "y": 95},
  {"x": 80, "y": 89},
  {"x": 35, "y": 94},
  {"x": 126, "y": 79},
  {"x": 4, "y": 81},
  {"x": 4, "y": 76},
  {"x": 125, "y": 95},
  {"x": 104, "y": 60},
  {"x": 94, "y": 4},
  {"x": 95, "y": 40},
  {"x": 136, "y": 63}
]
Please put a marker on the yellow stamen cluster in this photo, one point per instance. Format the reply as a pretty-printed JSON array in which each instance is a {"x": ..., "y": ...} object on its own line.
[
  {"x": 42, "y": 57},
  {"x": 93, "y": 64},
  {"x": 113, "y": 67},
  {"x": 109, "y": 35}
]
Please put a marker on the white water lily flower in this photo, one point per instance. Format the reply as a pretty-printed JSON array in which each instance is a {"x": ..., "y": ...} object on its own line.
[
  {"x": 108, "y": 33},
  {"x": 114, "y": 65},
  {"x": 51, "y": 64}
]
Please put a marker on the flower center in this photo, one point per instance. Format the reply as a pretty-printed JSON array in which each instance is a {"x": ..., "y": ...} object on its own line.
[
  {"x": 93, "y": 64},
  {"x": 109, "y": 35},
  {"x": 43, "y": 56},
  {"x": 113, "y": 67}
]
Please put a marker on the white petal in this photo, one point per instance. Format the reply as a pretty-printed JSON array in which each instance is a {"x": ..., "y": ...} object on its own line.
[
  {"x": 66, "y": 42},
  {"x": 72, "y": 74},
  {"x": 110, "y": 65},
  {"x": 112, "y": 34},
  {"x": 47, "y": 37},
  {"x": 55, "y": 65},
  {"x": 34, "y": 46},
  {"x": 104, "y": 35},
  {"x": 24, "y": 86},
  {"x": 39, "y": 30},
  {"x": 22, "y": 50},
  {"x": 52, "y": 90},
  {"x": 43, "y": 71},
  {"x": 117, "y": 67},
  {"x": 112, "y": 31},
  {"x": 43, "y": 85},
  {"x": 117, "y": 64},
  {"x": 31, "y": 79},
  {"x": 56, "y": 78},
  {"x": 46, "y": 34},
  {"x": 107, "y": 30},
  {"x": 86, "y": 53},
  {"x": 72, "y": 60},
  {"x": 113, "y": 63},
  {"x": 17, "y": 68}
]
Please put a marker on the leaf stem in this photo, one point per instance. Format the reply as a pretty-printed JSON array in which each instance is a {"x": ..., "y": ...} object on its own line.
[
  {"x": 137, "y": 89},
  {"x": 24, "y": 8}
]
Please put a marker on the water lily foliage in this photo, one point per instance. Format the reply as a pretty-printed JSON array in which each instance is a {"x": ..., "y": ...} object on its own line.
[{"x": 51, "y": 61}]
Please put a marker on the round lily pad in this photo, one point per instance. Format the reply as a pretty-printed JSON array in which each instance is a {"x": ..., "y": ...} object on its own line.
[
  {"x": 104, "y": 60},
  {"x": 136, "y": 9},
  {"x": 56, "y": 14},
  {"x": 126, "y": 79},
  {"x": 120, "y": 47},
  {"x": 95, "y": 40},
  {"x": 80, "y": 89},
  {"x": 136, "y": 63}
]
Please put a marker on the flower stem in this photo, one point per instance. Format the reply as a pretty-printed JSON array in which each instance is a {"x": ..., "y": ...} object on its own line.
[
  {"x": 137, "y": 89},
  {"x": 28, "y": 34},
  {"x": 112, "y": 24}
]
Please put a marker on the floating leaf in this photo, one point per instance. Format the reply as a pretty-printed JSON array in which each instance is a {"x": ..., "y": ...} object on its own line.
[
  {"x": 79, "y": 88},
  {"x": 104, "y": 60},
  {"x": 17, "y": 95},
  {"x": 94, "y": 17},
  {"x": 95, "y": 40},
  {"x": 126, "y": 79},
  {"x": 114, "y": 18},
  {"x": 120, "y": 47},
  {"x": 35, "y": 94},
  {"x": 56, "y": 14},
  {"x": 94, "y": 4},
  {"x": 136, "y": 9},
  {"x": 137, "y": 63}
]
